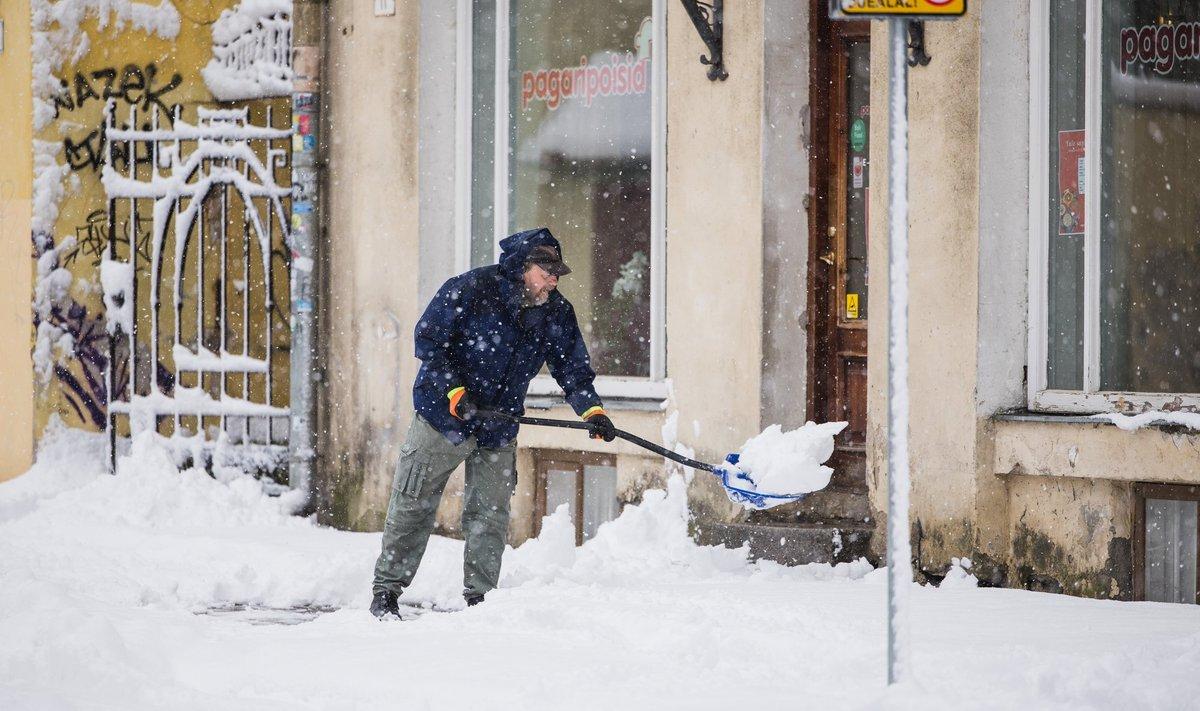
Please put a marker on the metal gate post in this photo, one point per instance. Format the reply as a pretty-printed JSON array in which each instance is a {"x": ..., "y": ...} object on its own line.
[{"x": 306, "y": 63}]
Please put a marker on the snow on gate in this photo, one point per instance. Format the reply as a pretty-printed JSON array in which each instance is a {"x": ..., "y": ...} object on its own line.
[{"x": 198, "y": 312}]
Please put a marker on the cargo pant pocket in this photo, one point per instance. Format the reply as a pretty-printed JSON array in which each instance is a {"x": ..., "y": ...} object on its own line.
[{"x": 412, "y": 471}]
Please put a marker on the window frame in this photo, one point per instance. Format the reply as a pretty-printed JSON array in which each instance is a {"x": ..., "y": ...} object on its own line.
[
  {"x": 546, "y": 459},
  {"x": 1090, "y": 399},
  {"x": 654, "y": 386},
  {"x": 1142, "y": 492}
]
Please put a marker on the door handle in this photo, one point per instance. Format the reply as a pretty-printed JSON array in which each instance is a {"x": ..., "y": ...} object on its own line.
[{"x": 827, "y": 257}]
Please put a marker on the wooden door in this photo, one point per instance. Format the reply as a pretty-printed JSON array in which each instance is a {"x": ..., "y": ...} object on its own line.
[{"x": 838, "y": 274}]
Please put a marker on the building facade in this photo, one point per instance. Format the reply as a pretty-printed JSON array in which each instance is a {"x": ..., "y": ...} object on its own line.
[
  {"x": 1051, "y": 278},
  {"x": 730, "y": 264}
]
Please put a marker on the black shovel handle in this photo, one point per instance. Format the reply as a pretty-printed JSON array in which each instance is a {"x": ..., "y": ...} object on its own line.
[{"x": 627, "y": 436}]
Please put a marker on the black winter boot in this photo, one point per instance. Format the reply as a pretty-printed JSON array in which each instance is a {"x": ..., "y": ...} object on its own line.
[
  {"x": 384, "y": 604},
  {"x": 473, "y": 600}
]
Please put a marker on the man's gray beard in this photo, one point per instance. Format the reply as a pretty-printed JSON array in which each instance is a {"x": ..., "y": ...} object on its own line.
[{"x": 530, "y": 300}]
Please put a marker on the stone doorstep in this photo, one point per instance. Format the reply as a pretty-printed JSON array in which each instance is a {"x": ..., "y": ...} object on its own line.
[
  {"x": 795, "y": 544},
  {"x": 832, "y": 505}
]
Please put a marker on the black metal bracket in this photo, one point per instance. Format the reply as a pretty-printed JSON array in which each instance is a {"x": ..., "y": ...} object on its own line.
[
  {"x": 709, "y": 22},
  {"x": 916, "y": 43}
]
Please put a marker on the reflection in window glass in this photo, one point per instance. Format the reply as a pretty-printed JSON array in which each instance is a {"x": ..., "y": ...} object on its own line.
[
  {"x": 1149, "y": 250},
  {"x": 1170, "y": 550},
  {"x": 579, "y": 161},
  {"x": 561, "y": 485},
  {"x": 1064, "y": 338},
  {"x": 858, "y": 106},
  {"x": 600, "y": 502}
]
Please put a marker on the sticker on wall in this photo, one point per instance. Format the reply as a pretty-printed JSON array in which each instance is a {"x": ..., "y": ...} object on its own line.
[
  {"x": 856, "y": 172},
  {"x": 858, "y": 135},
  {"x": 1071, "y": 186},
  {"x": 851, "y": 306}
]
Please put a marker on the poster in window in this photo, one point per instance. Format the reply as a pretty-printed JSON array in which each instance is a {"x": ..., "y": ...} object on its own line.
[{"x": 1071, "y": 185}]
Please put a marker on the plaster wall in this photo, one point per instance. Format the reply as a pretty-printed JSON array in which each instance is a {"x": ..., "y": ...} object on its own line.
[
  {"x": 370, "y": 84},
  {"x": 1071, "y": 535},
  {"x": 785, "y": 167},
  {"x": 16, "y": 276},
  {"x": 715, "y": 238},
  {"x": 1098, "y": 451},
  {"x": 943, "y": 288}
]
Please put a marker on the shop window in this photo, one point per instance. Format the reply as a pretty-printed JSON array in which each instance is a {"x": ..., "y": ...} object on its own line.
[
  {"x": 564, "y": 133},
  {"x": 1166, "y": 539},
  {"x": 586, "y": 483},
  {"x": 1115, "y": 290}
]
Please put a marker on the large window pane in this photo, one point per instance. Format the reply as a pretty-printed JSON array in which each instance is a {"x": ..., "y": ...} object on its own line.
[
  {"x": 579, "y": 161},
  {"x": 1170, "y": 550},
  {"x": 1064, "y": 338},
  {"x": 1150, "y": 249}
]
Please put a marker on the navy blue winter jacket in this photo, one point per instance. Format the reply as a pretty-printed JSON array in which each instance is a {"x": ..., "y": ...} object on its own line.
[{"x": 476, "y": 334}]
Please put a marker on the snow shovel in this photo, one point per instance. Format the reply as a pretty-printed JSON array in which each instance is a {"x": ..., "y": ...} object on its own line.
[{"x": 726, "y": 471}]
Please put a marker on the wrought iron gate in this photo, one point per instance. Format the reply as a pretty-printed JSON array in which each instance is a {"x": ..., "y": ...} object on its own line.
[{"x": 198, "y": 304}]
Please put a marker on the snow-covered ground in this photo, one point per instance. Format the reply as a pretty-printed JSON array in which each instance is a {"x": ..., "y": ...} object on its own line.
[{"x": 127, "y": 592}]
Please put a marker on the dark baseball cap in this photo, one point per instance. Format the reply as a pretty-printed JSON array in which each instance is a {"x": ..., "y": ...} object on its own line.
[{"x": 548, "y": 258}]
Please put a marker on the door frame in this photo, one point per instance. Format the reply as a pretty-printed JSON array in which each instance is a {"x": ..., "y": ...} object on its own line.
[{"x": 828, "y": 134}]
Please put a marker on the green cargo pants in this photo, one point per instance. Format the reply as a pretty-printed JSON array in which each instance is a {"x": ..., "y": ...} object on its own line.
[{"x": 426, "y": 461}]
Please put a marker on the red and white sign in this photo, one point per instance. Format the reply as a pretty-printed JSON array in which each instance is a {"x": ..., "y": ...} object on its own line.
[
  {"x": 1071, "y": 186},
  {"x": 1160, "y": 46},
  {"x": 623, "y": 74}
]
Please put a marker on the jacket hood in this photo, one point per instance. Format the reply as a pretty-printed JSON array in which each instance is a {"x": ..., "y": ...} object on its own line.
[{"x": 515, "y": 249}]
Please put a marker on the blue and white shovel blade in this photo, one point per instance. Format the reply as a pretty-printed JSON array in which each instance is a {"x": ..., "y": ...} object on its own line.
[{"x": 740, "y": 487}]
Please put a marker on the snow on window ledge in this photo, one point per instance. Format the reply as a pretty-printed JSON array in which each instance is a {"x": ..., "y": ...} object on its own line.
[
  {"x": 1127, "y": 422},
  {"x": 618, "y": 393},
  {"x": 1131, "y": 423}
]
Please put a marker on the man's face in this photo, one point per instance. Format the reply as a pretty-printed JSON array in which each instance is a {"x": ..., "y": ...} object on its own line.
[{"x": 538, "y": 284}]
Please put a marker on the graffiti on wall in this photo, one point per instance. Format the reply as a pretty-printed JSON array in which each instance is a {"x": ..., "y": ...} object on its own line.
[
  {"x": 142, "y": 67},
  {"x": 138, "y": 87}
]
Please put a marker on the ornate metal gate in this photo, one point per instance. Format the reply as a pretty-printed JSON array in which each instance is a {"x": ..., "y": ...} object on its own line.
[{"x": 197, "y": 310}]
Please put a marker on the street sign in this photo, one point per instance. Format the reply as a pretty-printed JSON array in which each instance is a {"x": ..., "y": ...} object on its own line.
[{"x": 888, "y": 9}]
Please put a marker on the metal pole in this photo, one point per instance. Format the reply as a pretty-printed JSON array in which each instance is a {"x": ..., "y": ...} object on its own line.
[
  {"x": 306, "y": 63},
  {"x": 899, "y": 553}
]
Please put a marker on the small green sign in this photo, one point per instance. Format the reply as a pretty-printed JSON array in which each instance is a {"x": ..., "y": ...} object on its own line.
[{"x": 858, "y": 135}]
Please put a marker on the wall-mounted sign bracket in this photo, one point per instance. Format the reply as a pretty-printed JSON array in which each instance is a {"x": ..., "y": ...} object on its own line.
[
  {"x": 709, "y": 22},
  {"x": 916, "y": 43}
]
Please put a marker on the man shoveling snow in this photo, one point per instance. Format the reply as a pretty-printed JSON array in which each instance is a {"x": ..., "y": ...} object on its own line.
[{"x": 481, "y": 340}]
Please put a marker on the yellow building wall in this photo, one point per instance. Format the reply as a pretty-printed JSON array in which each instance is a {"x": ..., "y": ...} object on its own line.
[
  {"x": 16, "y": 185},
  {"x": 142, "y": 57}
]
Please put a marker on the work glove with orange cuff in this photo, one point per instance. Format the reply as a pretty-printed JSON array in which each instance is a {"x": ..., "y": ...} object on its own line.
[
  {"x": 599, "y": 426},
  {"x": 461, "y": 405}
]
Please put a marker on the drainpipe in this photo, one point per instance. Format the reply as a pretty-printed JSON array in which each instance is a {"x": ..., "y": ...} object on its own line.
[{"x": 307, "y": 21}]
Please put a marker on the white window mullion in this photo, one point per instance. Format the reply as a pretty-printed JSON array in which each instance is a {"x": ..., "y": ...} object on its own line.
[
  {"x": 500, "y": 175},
  {"x": 1039, "y": 188},
  {"x": 658, "y": 191},
  {"x": 1092, "y": 193},
  {"x": 464, "y": 106}
]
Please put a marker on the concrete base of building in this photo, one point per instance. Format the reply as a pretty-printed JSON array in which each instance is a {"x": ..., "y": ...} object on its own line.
[{"x": 795, "y": 544}]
